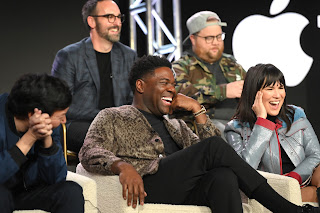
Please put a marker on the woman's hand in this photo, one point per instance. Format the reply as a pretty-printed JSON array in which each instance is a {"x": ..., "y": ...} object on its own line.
[{"x": 258, "y": 106}]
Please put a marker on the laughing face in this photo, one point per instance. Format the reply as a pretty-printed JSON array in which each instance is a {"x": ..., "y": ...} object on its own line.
[
  {"x": 105, "y": 29},
  {"x": 159, "y": 90},
  {"x": 273, "y": 98}
]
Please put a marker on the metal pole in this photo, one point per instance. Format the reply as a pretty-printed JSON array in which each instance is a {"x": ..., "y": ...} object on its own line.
[
  {"x": 159, "y": 33},
  {"x": 149, "y": 27},
  {"x": 177, "y": 27},
  {"x": 133, "y": 31}
]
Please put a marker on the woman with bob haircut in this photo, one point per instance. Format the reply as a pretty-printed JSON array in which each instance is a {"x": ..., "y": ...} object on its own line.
[{"x": 273, "y": 136}]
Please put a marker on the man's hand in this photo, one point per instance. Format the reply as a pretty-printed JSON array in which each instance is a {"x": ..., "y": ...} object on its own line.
[
  {"x": 234, "y": 89},
  {"x": 131, "y": 181},
  {"x": 40, "y": 125},
  {"x": 40, "y": 128},
  {"x": 183, "y": 102}
]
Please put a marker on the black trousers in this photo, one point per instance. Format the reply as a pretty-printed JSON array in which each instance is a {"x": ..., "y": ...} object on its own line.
[
  {"x": 76, "y": 133},
  {"x": 209, "y": 173},
  {"x": 57, "y": 198}
]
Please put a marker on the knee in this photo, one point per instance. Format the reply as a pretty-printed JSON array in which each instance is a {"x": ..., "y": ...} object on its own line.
[
  {"x": 216, "y": 143},
  {"x": 71, "y": 191},
  {"x": 223, "y": 176}
]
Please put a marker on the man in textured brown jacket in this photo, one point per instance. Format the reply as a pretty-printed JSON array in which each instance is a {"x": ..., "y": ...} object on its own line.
[{"x": 160, "y": 160}]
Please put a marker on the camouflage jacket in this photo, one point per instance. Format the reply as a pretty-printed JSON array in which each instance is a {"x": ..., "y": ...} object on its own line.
[{"x": 194, "y": 79}]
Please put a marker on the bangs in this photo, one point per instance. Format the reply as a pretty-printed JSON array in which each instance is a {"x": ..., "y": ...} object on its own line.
[{"x": 273, "y": 76}]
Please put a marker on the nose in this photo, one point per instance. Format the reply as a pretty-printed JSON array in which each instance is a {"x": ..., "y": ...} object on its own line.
[
  {"x": 276, "y": 93},
  {"x": 171, "y": 88}
]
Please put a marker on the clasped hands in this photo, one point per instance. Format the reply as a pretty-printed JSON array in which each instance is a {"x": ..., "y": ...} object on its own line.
[{"x": 40, "y": 127}]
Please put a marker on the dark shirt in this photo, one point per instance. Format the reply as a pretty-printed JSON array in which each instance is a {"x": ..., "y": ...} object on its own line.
[
  {"x": 287, "y": 165},
  {"x": 105, "y": 72},
  {"x": 170, "y": 146}
]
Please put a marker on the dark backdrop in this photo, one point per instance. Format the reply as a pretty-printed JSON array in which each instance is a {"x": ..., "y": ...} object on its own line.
[{"x": 33, "y": 31}]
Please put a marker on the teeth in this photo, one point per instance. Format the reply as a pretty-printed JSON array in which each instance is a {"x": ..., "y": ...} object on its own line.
[
  {"x": 167, "y": 99},
  {"x": 274, "y": 102}
]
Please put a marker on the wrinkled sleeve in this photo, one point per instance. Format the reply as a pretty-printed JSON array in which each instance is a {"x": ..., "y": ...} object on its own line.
[
  {"x": 51, "y": 162},
  {"x": 96, "y": 154},
  {"x": 312, "y": 154},
  {"x": 250, "y": 147},
  {"x": 207, "y": 129}
]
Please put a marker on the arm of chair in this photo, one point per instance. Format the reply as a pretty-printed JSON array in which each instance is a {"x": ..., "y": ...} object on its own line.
[
  {"x": 89, "y": 190},
  {"x": 287, "y": 187}
]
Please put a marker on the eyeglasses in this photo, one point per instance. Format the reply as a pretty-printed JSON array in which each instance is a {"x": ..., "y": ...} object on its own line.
[
  {"x": 111, "y": 18},
  {"x": 210, "y": 39}
]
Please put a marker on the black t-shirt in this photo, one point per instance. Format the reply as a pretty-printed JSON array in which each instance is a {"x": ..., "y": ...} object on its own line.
[
  {"x": 170, "y": 146},
  {"x": 287, "y": 165},
  {"x": 106, "y": 87}
]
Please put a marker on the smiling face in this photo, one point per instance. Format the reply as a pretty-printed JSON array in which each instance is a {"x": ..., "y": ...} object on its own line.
[
  {"x": 105, "y": 29},
  {"x": 158, "y": 90},
  {"x": 211, "y": 52},
  {"x": 273, "y": 98}
]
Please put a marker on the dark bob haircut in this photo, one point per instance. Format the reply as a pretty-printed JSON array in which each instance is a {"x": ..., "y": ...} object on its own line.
[{"x": 259, "y": 77}]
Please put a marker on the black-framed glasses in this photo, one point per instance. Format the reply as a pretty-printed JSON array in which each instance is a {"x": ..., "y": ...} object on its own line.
[
  {"x": 111, "y": 18},
  {"x": 210, "y": 39}
]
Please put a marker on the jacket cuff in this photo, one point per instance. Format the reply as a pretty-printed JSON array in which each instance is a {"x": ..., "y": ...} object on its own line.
[
  {"x": 49, "y": 151},
  {"x": 295, "y": 176},
  {"x": 266, "y": 123},
  {"x": 17, "y": 155}
]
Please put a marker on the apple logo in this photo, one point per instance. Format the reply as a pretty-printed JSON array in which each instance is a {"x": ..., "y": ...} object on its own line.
[{"x": 275, "y": 40}]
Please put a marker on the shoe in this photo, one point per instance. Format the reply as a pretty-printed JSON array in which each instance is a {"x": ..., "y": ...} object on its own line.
[{"x": 308, "y": 209}]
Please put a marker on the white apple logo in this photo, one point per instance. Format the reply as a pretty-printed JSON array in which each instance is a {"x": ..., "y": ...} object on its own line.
[{"x": 260, "y": 39}]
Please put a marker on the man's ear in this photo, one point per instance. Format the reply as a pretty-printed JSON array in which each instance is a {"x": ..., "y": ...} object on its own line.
[
  {"x": 91, "y": 22},
  {"x": 192, "y": 39},
  {"x": 140, "y": 86},
  {"x": 30, "y": 114}
]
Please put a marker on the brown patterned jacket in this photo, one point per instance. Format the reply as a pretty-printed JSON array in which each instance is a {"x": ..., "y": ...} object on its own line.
[{"x": 123, "y": 133}]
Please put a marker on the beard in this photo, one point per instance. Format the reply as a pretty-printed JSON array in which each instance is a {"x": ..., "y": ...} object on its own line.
[
  {"x": 215, "y": 56},
  {"x": 105, "y": 34}
]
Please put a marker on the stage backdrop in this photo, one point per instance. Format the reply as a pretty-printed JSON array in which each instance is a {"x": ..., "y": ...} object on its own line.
[{"x": 282, "y": 32}]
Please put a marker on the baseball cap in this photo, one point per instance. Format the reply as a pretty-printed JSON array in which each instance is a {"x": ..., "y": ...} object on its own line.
[{"x": 201, "y": 20}]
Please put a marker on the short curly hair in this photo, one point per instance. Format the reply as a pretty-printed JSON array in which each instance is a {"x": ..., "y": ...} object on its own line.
[
  {"x": 146, "y": 65},
  {"x": 42, "y": 91}
]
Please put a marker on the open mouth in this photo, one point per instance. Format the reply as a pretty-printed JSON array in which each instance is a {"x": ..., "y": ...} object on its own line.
[
  {"x": 167, "y": 100},
  {"x": 274, "y": 103}
]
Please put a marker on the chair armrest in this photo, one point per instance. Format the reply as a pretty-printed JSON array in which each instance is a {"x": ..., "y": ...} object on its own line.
[
  {"x": 287, "y": 187},
  {"x": 89, "y": 190}
]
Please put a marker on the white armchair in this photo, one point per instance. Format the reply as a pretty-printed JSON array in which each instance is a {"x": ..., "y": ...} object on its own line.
[
  {"x": 110, "y": 200},
  {"x": 109, "y": 191}
]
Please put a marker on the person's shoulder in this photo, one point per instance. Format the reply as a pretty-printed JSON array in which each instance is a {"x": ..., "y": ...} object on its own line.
[
  {"x": 185, "y": 60},
  {"x": 123, "y": 47},
  {"x": 298, "y": 112},
  {"x": 3, "y": 97},
  {"x": 236, "y": 124},
  {"x": 230, "y": 61},
  {"x": 124, "y": 110},
  {"x": 77, "y": 45}
]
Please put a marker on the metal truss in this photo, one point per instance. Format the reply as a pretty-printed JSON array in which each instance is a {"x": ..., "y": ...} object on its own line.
[{"x": 155, "y": 29}]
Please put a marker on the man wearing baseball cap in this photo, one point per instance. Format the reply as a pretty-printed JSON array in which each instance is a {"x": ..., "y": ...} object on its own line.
[{"x": 206, "y": 73}]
